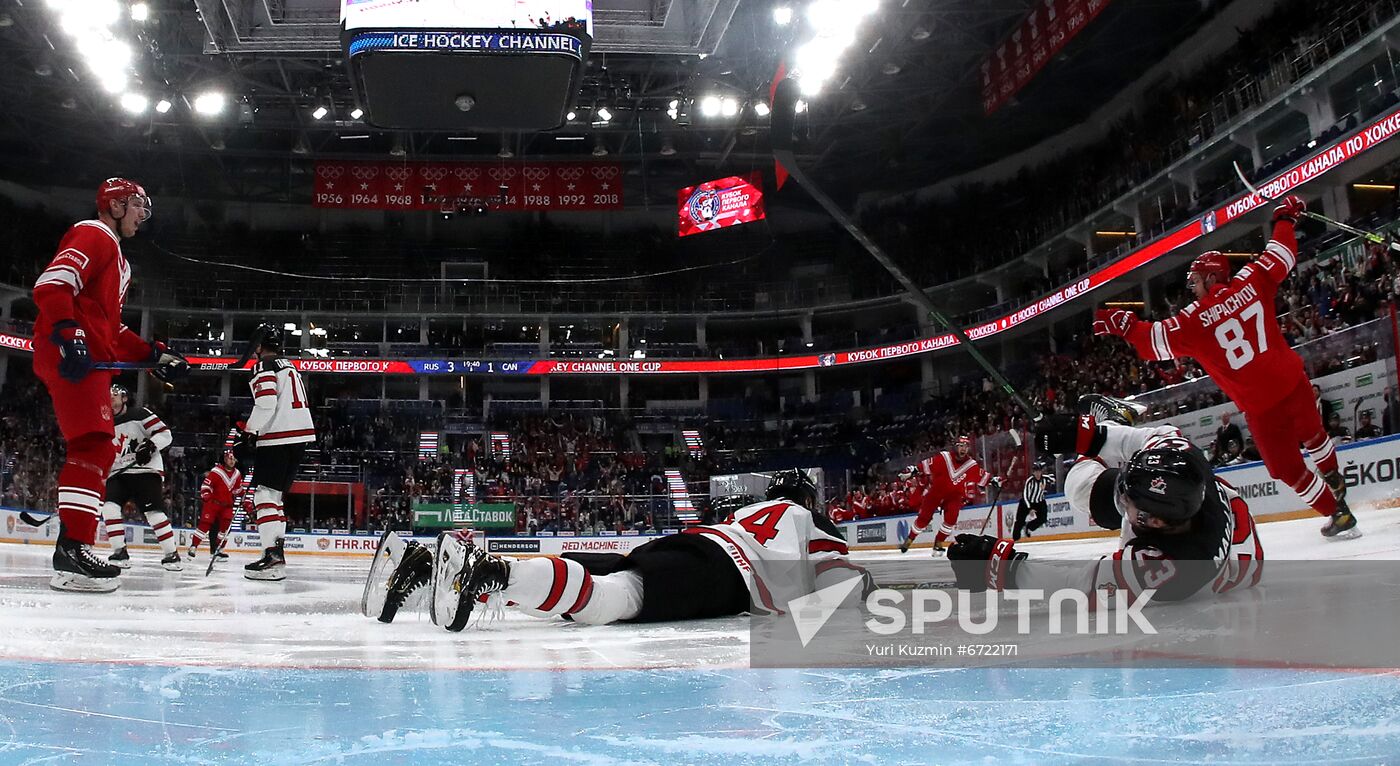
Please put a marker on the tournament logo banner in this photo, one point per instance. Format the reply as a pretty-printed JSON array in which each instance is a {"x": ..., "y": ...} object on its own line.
[{"x": 719, "y": 204}]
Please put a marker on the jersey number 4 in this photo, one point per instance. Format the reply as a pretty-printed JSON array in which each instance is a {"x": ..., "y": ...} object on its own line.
[
  {"x": 1234, "y": 340},
  {"x": 764, "y": 524}
]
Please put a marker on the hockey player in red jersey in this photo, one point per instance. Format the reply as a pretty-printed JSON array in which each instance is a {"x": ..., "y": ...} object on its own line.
[
  {"x": 1232, "y": 331},
  {"x": 758, "y": 559},
  {"x": 951, "y": 479},
  {"x": 220, "y": 492},
  {"x": 80, "y": 296}
]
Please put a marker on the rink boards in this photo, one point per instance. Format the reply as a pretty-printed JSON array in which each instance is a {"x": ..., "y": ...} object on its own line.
[{"x": 1371, "y": 468}]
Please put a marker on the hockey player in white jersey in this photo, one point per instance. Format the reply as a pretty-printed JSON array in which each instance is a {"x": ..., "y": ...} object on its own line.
[
  {"x": 279, "y": 428},
  {"x": 1183, "y": 530},
  {"x": 762, "y": 556},
  {"x": 136, "y": 476}
]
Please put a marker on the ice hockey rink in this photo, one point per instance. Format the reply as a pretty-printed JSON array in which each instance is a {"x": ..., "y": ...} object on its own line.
[{"x": 178, "y": 669}]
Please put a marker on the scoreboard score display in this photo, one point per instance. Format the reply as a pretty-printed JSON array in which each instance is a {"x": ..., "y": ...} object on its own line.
[{"x": 466, "y": 64}]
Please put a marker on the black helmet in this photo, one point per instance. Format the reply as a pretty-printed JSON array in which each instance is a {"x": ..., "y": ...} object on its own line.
[
  {"x": 728, "y": 505},
  {"x": 1167, "y": 484},
  {"x": 793, "y": 484},
  {"x": 1042, "y": 462},
  {"x": 269, "y": 336}
]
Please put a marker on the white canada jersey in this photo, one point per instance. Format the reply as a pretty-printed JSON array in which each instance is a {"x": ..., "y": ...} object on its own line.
[
  {"x": 281, "y": 410},
  {"x": 781, "y": 553},
  {"x": 132, "y": 427}
]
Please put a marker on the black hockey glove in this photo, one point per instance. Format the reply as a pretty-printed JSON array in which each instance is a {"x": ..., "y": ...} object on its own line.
[
  {"x": 1068, "y": 434},
  {"x": 74, "y": 361},
  {"x": 243, "y": 445},
  {"x": 145, "y": 451},
  {"x": 982, "y": 561},
  {"x": 170, "y": 365}
]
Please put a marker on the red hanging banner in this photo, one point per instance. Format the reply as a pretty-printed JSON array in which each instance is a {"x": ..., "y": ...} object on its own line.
[{"x": 451, "y": 186}]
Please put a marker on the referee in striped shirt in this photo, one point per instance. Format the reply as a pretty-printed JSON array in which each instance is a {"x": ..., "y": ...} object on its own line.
[{"x": 1033, "y": 499}]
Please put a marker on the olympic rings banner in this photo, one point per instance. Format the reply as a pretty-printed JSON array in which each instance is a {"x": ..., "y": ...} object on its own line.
[
  {"x": 462, "y": 186},
  {"x": 1309, "y": 169}
]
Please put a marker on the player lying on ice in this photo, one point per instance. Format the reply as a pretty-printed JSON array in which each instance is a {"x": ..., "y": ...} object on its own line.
[
  {"x": 1151, "y": 484},
  {"x": 761, "y": 557}
]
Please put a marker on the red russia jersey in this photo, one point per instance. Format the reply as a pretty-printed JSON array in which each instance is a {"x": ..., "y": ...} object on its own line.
[
  {"x": 221, "y": 487},
  {"x": 1233, "y": 332},
  {"x": 947, "y": 475},
  {"x": 87, "y": 282}
]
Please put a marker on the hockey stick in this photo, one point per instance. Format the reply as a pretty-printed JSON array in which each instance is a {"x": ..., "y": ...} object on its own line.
[
  {"x": 223, "y": 541},
  {"x": 35, "y": 521},
  {"x": 248, "y": 350},
  {"x": 996, "y": 497},
  {"x": 781, "y": 136},
  {"x": 1369, "y": 236}
]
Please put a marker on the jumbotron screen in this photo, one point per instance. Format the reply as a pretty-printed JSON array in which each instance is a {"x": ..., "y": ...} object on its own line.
[
  {"x": 467, "y": 14},
  {"x": 719, "y": 204}
]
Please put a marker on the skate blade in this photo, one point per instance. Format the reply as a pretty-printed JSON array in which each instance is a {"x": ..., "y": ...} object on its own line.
[
  {"x": 271, "y": 574},
  {"x": 120, "y": 564},
  {"x": 387, "y": 555},
  {"x": 76, "y": 583},
  {"x": 1350, "y": 534},
  {"x": 173, "y": 567}
]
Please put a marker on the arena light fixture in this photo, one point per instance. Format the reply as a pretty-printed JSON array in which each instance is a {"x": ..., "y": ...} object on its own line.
[
  {"x": 710, "y": 106},
  {"x": 134, "y": 103},
  {"x": 163, "y": 106},
  {"x": 140, "y": 12},
  {"x": 604, "y": 114},
  {"x": 210, "y": 103},
  {"x": 319, "y": 112},
  {"x": 728, "y": 107},
  {"x": 357, "y": 113},
  {"x": 599, "y": 150},
  {"x": 1374, "y": 187},
  {"x": 782, "y": 15},
  {"x": 571, "y": 116},
  {"x": 761, "y": 109},
  {"x": 668, "y": 149}
]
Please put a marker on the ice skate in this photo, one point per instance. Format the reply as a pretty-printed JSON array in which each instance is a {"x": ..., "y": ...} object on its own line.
[
  {"x": 462, "y": 573},
  {"x": 399, "y": 569},
  {"x": 120, "y": 559},
  {"x": 171, "y": 562},
  {"x": 79, "y": 570},
  {"x": 272, "y": 565},
  {"x": 1342, "y": 525}
]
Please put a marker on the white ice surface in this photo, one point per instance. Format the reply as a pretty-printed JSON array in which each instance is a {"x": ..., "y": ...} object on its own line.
[{"x": 311, "y": 620}]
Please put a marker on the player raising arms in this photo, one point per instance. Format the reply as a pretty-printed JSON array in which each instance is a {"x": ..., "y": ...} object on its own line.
[
  {"x": 758, "y": 559},
  {"x": 951, "y": 478},
  {"x": 80, "y": 296},
  {"x": 280, "y": 427},
  {"x": 1232, "y": 331}
]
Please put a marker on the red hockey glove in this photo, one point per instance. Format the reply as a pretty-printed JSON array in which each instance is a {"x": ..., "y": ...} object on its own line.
[
  {"x": 1290, "y": 209},
  {"x": 1114, "y": 322},
  {"x": 74, "y": 361},
  {"x": 170, "y": 365}
]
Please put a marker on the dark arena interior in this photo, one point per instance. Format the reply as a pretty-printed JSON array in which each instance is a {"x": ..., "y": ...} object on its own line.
[{"x": 708, "y": 369}]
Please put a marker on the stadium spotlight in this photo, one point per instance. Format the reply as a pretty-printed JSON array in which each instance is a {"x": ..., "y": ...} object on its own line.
[
  {"x": 728, "y": 107},
  {"x": 761, "y": 109},
  {"x": 800, "y": 106},
  {"x": 319, "y": 112},
  {"x": 782, "y": 15},
  {"x": 710, "y": 106},
  {"x": 357, "y": 113},
  {"x": 673, "y": 109},
  {"x": 571, "y": 116},
  {"x": 604, "y": 114},
  {"x": 163, "y": 106},
  {"x": 210, "y": 103},
  {"x": 140, "y": 11},
  {"x": 135, "y": 103}
]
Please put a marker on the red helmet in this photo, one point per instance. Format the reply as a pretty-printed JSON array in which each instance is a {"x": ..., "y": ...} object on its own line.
[
  {"x": 964, "y": 441},
  {"x": 1211, "y": 262},
  {"x": 122, "y": 190}
]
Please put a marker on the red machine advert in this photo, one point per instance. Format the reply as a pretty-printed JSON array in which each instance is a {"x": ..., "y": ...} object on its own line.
[{"x": 719, "y": 204}]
